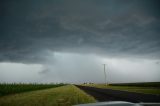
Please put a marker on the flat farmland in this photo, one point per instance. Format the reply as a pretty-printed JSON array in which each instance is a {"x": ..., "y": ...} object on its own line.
[
  {"x": 146, "y": 88},
  {"x": 13, "y": 88},
  {"x": 60, "y": 96}
]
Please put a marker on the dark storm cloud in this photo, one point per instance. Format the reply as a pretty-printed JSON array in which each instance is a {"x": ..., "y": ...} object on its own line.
[{"x": 31, "y": 30}]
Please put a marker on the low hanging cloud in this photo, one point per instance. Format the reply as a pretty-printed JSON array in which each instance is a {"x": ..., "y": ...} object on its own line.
[{"x": 80, "y": 68}]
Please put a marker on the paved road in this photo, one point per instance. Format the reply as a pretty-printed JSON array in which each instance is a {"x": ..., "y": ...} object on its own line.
[{"x": 116, "y": 95}]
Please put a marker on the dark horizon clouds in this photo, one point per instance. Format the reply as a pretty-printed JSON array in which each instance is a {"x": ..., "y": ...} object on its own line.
[
  {"x": 68, "y": 40},
  {"x": 30, "y": 30}
]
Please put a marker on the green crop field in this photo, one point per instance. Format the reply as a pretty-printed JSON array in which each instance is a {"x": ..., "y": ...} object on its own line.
[
  {"x": 140, "y": 88},
  {"x": 6, "y": 89},
  {"x": 60, "y": 96},
  {"x": 144, "y": 84}
]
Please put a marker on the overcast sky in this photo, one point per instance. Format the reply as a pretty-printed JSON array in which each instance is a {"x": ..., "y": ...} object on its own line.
[{"x": 68, "y": 41}]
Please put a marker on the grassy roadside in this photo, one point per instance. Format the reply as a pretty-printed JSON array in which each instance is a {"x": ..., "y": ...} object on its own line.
[
  {"x": 145, "y": 90},
  {"x": 61, "y": 96}
]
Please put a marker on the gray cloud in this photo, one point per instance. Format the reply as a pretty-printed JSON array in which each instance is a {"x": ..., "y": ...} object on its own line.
[
  {"x": 44, "y": 71},
  {"x": 79, "y": 68},
  {"x": 31, "y": 32}
]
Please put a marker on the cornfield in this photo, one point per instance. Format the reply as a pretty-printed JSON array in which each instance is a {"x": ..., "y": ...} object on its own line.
[{"x": 13, "y": 88}]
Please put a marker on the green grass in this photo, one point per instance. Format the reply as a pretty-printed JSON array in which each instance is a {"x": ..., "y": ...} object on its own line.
[
  {"x": 6, "y": 89},
  {"x": 138, "y": 84},
  {"x": 145, "y": 90},
  {"x": 61, "y": 96}
]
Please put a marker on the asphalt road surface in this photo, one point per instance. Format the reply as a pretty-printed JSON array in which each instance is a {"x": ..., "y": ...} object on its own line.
[{"x": 116, "y": 95}]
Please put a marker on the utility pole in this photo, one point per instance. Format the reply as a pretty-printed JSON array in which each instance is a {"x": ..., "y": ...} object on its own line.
[{"x": 105, "y": 74}]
